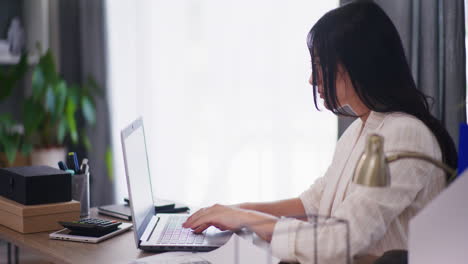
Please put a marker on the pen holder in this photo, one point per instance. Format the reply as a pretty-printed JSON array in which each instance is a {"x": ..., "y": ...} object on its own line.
[{"x": 80, "y": 192}]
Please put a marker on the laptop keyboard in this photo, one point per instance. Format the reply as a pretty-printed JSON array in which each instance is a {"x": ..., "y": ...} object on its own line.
[{"x": 174, "y": 233}]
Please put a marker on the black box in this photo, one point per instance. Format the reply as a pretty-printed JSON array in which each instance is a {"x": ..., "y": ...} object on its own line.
[{"x": 35, "y": 185}]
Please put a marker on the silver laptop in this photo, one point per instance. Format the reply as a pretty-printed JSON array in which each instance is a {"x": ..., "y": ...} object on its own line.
[{"x": 153, "y": 231}]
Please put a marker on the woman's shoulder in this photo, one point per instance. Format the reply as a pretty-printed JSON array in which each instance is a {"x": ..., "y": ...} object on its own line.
[
  {"x": 405, "y": 131},
  {"x": 404, "y": 122},
  {"x": 396, "y": 127}
]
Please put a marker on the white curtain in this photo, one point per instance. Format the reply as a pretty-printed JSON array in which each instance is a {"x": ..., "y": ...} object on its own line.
[{"x": 222, "y": 88}]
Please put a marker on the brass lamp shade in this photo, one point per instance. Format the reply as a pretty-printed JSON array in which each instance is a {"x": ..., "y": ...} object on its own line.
[{"x": 372, "y": 168}]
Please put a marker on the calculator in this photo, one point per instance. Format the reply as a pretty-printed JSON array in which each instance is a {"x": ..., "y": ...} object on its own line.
[{"x": 91, "y": 226}]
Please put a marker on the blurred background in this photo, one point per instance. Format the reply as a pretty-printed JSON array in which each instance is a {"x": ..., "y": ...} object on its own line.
[
  {"x": 223, "y": 90},
  {"x": 222, "y": 87}
]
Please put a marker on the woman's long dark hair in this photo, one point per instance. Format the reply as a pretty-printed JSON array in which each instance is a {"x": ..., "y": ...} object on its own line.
[{"x": 363, "y": 39}]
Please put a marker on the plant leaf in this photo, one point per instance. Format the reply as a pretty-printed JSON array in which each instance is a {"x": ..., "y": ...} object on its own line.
[
  {"x": 109, "y": 164},
  {"x": 20, "y": 69},
  {"x": 86, "y": 142},
  {"x": 9, "y": 139},
  {"x": 50, "y": 100},
  {"x": 6, "y": 121},
  {"x": 73, "y": 93},
  {"x": 48, "y": 66},
  {"x": 60, "y": 99},
  {"x": 61, "y": 130},
  {"x": 10, "y": 79},
  {"x": 88, "y": 110},
  {"x": 10, "y": 147},
  {"x": 61, "y": 96},
  {"x": 37, "y": 83},
  {"x": 33, "y": 115},
  {"x": 70, "y": 115},
  {"x": 26, "y": 148},
  {"x": 6, "y": 86}
]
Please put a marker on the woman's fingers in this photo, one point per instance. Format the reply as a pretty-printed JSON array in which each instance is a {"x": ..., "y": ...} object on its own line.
[
  {"x": 201, "y": 228},
  {"x": 222, "y": 217},
  {"x": 199, "y": 214},
  {"x": 207, "y": 219},
  {"x": 189, "y": 222}
]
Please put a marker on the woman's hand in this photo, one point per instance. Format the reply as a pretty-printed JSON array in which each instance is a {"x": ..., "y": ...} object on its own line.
[
  {"x": 231, "y": 218},
  {"x": 220, "y": 216}
]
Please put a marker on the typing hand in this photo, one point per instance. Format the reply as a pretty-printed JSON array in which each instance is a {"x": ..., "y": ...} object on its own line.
[
  {"x": 221, "y": 216},
  {"x": 231, "y": 218}
]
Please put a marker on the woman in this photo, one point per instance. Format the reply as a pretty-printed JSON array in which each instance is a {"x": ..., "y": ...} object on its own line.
[{"x": 358, "y": 68}]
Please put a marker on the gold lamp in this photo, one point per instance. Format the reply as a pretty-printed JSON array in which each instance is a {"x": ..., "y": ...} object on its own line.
[{"x": 372, "y": 168}]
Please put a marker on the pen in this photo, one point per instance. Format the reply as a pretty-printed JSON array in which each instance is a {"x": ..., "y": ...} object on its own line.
[
  {"x": 62, "y": 166},
  {"x": 72, "y": 162}
]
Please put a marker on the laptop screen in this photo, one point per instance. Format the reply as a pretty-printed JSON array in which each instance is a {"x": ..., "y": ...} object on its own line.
[{"x": 138, "y": 176}]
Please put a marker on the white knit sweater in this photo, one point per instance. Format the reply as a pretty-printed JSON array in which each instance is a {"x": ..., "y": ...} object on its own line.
[{"x": 378, "y": 217}]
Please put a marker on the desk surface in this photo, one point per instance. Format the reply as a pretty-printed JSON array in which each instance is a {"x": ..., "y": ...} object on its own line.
[{"x": 119, "y": 249}]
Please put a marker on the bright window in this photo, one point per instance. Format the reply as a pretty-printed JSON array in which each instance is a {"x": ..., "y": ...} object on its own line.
[{"x": 223, "y": 90}]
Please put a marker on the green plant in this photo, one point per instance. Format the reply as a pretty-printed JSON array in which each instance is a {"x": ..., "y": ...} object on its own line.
[
  {"x": 10, "y": 136},
  {"x": 50, "y": 113},
  {"x": 11, "y": 139},
  {"x": 10, "y": 77}
]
